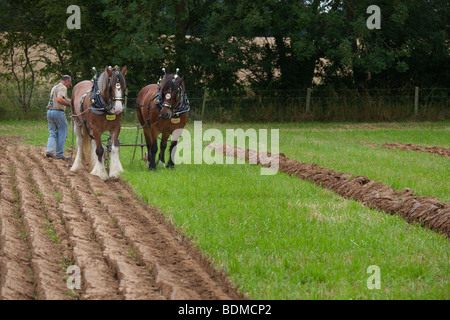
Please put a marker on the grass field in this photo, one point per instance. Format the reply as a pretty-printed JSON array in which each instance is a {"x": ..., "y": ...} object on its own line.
[{"x": 278, "y": 237}]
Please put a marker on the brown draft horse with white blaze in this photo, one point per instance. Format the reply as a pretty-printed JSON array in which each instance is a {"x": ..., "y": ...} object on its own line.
[
  {"x": 163, "y": 109},
  {"x": 97, "y": 107}
]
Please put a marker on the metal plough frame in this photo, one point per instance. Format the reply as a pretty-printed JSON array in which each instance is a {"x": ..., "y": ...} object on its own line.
[{"x": 107, "y": 146}]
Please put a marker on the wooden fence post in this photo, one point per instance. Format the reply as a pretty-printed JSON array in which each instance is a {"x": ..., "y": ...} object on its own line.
[
  {"x": 308, "y": 100},
  {"x": 416, "y": 102},
  {"x": 205, "y": 95}
]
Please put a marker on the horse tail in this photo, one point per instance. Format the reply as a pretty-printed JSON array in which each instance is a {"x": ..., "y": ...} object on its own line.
[{"x": 86, "y": 152}]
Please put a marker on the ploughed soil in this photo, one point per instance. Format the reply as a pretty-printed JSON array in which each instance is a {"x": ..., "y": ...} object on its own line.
[
  {"x": 430, "y": 212},
  {"x": 51, "y": 219},
  {"x": 445, "y": 152}
]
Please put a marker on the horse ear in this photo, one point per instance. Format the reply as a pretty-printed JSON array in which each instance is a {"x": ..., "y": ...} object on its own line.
[
  {"x": 124, "y": 71},
  {"x": 108, "y": 71}
]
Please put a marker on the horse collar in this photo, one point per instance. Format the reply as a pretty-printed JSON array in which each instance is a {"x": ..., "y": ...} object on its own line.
[{"x": 98, "y": 103}]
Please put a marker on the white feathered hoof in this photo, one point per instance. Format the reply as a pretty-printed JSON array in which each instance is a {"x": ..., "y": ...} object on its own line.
[
  {"x": 116, "y": 167},
  {"x": 77, "y": 165},
  {"x": 100, "y": 171}
]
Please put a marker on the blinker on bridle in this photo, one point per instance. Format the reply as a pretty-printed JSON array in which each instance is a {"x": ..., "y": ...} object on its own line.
[
  {"x": 97, "y": 101},
  {"x": 168, "y": 96},
  {"x": 118, "y": 85}
]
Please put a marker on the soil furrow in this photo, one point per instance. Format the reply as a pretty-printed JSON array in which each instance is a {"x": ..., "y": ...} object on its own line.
[
  {"x": 49, "y": 198},
  {"x": 16, "y": 278},
  {"x": 51, "y": 218},
  {"x": 98, "y": 280},
  {"x": 192, "y": 268},
  {"x": 174, "y": 269},
  {"x": 135, "y": 280},
  {"x": 135, "y": 234},
  {"x": 441, "y": 151},
  {"x": 45, "y": 254},
  {"x": 427, "y": 211}
]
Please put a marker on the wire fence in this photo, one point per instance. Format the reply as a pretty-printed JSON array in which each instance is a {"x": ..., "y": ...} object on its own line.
[
  {"x": 432, "y": 104},
  {"x": 322, "y": 105}
]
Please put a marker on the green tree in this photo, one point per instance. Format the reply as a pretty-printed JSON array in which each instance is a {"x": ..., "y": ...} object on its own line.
[
  {"x": 77, "y": 50},
  {"x": 139, "y": 41},
  {"x": 227, "y": 44},
  {"x": 411, "y": 48},
  {"x": 18, "y": 22}
]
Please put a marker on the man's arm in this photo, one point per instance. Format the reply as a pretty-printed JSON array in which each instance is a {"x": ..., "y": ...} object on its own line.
[{"x": 62, "y": 100}]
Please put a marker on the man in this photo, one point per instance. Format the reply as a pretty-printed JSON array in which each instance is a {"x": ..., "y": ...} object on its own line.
[{"x": 56, "y": 116}]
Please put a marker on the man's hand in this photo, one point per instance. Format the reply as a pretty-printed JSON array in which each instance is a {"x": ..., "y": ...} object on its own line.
[{"x": 62, "y": 100}]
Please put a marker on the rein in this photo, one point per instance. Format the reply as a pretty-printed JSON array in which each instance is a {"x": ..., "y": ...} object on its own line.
[{"x": 147, "y": 105}]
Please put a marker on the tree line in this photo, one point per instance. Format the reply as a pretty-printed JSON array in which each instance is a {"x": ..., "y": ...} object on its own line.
[{"x": 230, "y": 45}]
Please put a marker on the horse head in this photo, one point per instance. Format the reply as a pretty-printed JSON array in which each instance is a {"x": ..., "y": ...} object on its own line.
[
  {"x": 172, "y": 92},
  {"x": 117, "y": 87}
]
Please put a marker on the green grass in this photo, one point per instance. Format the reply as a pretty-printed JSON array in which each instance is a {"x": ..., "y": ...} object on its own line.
[
  {"x": 279, "y": 237},
  {"x": 50, "y": 231},
  {"x": 344, "y": 150}
]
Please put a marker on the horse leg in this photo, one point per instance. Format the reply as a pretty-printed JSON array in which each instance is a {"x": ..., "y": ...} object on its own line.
[
  {"x": 173, "y": 147},
  {"x": 78, "y": 162},
  {"x": 148, "y": 142},
  {"x": 153, "y": 149},
  {"x": 116, "y": 166},
  {"x": 98, "y": 157},
  {"x": 162, "y": 148}
]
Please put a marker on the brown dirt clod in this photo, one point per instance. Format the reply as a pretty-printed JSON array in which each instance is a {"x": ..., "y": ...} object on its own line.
[
  {"x": 429, "y": 212},
  {"x": 51, "y": 218},
  {"x": 441, "y": 151}
]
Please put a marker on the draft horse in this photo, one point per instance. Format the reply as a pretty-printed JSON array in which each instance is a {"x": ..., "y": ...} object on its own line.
[
  {"x": 163, "y": 108},
  {"x": 97, "y": 107}
]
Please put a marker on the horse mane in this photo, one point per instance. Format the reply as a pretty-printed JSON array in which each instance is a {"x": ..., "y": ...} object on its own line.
[
  {"x": 103, "y": 80},
  {"x": 167, "y": 83}
]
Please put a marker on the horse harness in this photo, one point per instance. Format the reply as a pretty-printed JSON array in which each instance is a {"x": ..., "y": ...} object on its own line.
[
  {"x": 180, "y": 108},
  {"x": 98, "y": 104}
]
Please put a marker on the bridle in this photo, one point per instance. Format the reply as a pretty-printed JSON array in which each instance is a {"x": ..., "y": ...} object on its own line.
[
  {"x": 168, "y": 96},
  {"x": 98, "y": 103},
  {"x": 181, "y": 105}
]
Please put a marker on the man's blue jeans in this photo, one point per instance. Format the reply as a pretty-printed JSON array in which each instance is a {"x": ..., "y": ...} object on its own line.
[{"x": 57, "y": 126}]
